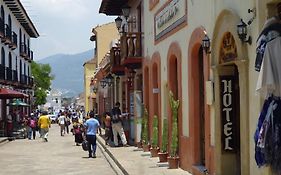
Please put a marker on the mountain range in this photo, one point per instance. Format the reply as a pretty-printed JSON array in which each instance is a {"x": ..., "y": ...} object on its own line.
[{"x": 68, "y": 71}]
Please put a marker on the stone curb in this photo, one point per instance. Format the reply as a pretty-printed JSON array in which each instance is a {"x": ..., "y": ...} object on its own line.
[
  {"x": 101, "y": 143},
  {"x": 2, "y": 140}
]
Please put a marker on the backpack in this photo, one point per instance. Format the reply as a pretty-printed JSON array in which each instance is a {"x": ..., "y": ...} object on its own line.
[{"x": 32, "y": 123}]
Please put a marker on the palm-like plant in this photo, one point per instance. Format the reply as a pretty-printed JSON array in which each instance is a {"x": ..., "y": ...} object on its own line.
[
  {"x": 154, "y": 141},
  {"x": 174, "y": 106},
  {"x": 164, "y": 144}
]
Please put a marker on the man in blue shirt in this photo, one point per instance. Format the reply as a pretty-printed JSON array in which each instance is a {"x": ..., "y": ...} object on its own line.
[{"x": 92, "y": 125}]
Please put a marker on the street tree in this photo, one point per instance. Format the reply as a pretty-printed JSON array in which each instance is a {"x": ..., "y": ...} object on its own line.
[{"x": 42, "y": 81}]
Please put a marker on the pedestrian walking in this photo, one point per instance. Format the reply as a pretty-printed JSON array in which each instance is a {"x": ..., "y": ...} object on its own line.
[
  {"x": 117, "y": 127},
  {"x": 67, "y": 122},
  {"x": 92, "y": 126},
  {"x": 77, "y": 131},
  {"x": 61, "y": 121},
  {"x": 44, "y": 123},
  {"x": 108, "y": 129},
  {"x": 32, "y": 123}
]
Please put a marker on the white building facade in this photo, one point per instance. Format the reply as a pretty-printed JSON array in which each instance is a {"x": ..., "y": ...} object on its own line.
[{"x": 16, "y": 30}]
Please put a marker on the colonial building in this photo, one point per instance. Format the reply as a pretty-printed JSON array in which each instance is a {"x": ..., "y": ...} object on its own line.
[
  {"x": 204, "y": 52},
  {"x": 16, "y": 81},
  {"x": 89, "y": 69},
  {"x": 102, "y": 35}
]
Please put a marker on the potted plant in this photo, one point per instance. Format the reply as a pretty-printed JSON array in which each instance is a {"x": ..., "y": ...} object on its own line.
[
  {"x": 163, "y": 149},
  {"x": 154, "y": 141},
  {"x": 144, "y": 135},
  {"x": 173, "y": 158}
]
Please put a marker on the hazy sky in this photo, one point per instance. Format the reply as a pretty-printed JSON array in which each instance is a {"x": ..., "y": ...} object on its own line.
[{"x": 64, "y": 25}]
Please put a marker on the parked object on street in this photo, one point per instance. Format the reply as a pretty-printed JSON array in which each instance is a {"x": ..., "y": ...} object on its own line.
[{"x": 53, "y": 118}]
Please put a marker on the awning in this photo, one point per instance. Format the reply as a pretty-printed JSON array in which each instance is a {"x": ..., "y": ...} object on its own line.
[{"x": 8, "y": 94}]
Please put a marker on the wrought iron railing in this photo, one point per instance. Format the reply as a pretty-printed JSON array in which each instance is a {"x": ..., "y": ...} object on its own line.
[
  {"x": 15, "y": 76},
  {"x": 2, "y": 72},
  {"x": 9, "y": 74}
]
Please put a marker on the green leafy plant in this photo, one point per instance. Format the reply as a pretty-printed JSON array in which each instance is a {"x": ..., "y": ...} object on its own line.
[
  {"x": 164, "y": 144},
  {"x": 174, "y": 104},
  {"x": 144, "y": 131},
  {"x": 154, "y": 141}
]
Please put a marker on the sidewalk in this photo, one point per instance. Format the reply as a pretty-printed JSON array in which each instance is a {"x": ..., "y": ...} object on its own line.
[{"x": 133, "y": 161}]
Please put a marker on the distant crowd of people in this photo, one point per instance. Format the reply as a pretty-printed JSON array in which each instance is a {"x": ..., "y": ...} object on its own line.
[{"x": 83, "y": 129}]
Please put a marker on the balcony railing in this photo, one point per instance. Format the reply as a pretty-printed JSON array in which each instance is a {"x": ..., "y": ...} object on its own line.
[
  {"x": 30, "y": 81},
  {"x": 131, "y": 45},
  {"x": 23, "y": 50},
  {"x": 23, "y": 79},
  {"x": 9, "y": 73},
  {"x": 15, "y": 76},
  {"x": 8, "y": 34},
  {"x": 131, "y": 51},
  {"x": 2, "y": 72},
  {"x": 2, "y": 28},
  {"x": 14, "y": 44}
]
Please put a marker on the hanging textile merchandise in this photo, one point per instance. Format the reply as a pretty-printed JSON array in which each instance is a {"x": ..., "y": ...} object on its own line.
[{"x": 268, "y": 62}]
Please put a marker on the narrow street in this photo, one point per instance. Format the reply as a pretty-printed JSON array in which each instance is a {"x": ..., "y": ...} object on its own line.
[{"x": 58, "y": 156}]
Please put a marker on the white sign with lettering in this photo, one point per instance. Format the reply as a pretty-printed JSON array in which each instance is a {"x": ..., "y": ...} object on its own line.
[{"x": 171, "y": 15}]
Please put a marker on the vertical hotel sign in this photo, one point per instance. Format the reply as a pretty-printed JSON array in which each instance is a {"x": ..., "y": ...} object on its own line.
[
  {"x": 228, "y": 118},
  {"x": 170, "y": 16}
]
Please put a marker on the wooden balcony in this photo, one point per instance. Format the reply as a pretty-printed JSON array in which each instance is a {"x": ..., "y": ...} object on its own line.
[
  {"x": 2, "y": 72},
  {"x": 131, "y": 51},
  {"x": 14, "y": 44},
  {"x": 115, "y": 61},
  {"x": 23, "y": 50},
  {"x": 2, "y": 28},
  {"x": 8, "y": 35}
]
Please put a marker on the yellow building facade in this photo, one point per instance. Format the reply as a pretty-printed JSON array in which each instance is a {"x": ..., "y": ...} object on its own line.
[{"x": 102, "y": 35}]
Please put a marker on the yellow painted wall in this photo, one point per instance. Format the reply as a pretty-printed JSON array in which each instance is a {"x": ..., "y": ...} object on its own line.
[
  {"x": 105, "y": 34},
  {"x": 89, "y": 69}
]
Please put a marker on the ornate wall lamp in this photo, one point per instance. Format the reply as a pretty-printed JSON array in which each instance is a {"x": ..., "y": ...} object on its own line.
[
  {"x": 103, "y": 83},
  {"x": 126, "y": 13},
  {"x": 206, "y": 44},
  {"x": 242, "y": 32},
  {"x": 109, "y": 80}
]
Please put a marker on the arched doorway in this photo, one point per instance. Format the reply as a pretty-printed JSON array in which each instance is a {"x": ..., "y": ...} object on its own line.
[
  {"x": 175, "y": 86},
  {"x": 230, "y": 71}
]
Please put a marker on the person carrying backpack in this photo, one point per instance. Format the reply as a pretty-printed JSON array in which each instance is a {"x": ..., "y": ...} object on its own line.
[{"x": 32, "y": 123}]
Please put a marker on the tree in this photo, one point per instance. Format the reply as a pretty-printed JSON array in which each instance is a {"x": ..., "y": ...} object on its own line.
[{"x": 42, "y": 81}]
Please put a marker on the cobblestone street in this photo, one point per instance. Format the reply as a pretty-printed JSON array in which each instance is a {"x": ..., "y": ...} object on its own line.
[{"x": 58, "y": 156}]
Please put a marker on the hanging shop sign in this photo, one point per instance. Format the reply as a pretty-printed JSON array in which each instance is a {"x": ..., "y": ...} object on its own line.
[
  {"x": 170, "y": 16},
  {"x": 228, "y": 49},
  {"x": 228, "y": 111}
]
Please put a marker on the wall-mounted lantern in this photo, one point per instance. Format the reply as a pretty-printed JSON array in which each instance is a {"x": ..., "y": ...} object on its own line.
[
  {"x": 242, "y": 32},
  {"x": 206, "y": 44}
]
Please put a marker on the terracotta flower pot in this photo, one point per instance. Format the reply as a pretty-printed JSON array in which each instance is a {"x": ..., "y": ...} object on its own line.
[
  {"x": 162, "y": 157},
  {"x": 145, "y": 148},
  {"x": 154, "y": 152},
  {"x": 173, "y": 162}
]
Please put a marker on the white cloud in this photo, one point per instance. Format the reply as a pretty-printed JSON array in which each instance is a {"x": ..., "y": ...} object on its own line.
[{"x": 63, "y": 9}]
